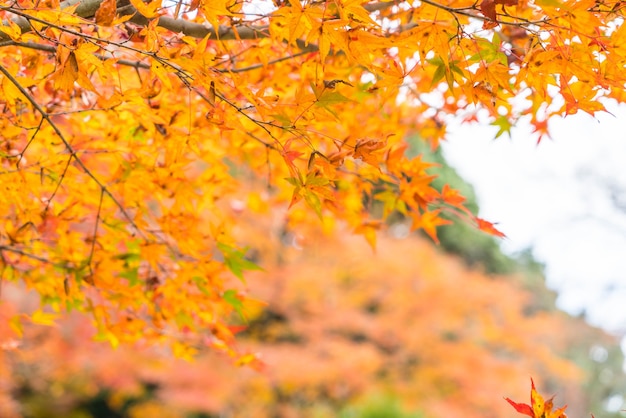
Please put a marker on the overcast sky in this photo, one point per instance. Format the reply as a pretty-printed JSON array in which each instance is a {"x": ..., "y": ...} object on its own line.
[{"x": 561, "y": 198}]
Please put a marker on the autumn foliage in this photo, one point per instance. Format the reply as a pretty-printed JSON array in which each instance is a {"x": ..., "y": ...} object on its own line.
[
  {"x": 132, "y": 133},
  {"x": 340, "y": 327}
]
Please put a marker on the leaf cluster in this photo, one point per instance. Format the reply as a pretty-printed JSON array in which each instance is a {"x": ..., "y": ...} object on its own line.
[{"x": 122, "y": 122}]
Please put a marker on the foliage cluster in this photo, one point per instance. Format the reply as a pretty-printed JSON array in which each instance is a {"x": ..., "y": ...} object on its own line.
[{"x": 128, "y": 125}]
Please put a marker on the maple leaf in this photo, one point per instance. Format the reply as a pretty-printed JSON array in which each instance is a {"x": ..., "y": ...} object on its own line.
[
  {"x": 368, "y": 151},
  {"x": 236, "y": 262},
  {"x": 452, "y": 196},
  {"x": 13, "y": 30},
  {"x": 368, "y": 229},
  {"x": 290, "y": 155},
  {"x": 43, "y": 318},
  {"x": 105, "y": 15},
  {"x": 149, "y": 9},
  {"x": 489, "y": 228},
  {"x": 327, "y": 97},
  {"x": 395, "y": 154},
  {"x": 429, "y": 221},
  {"x": 233, "y": 299},
  {"x": 538, "y": 408},
  {"x": 67, "y": 72},
  {"x": 488, "y": 9},
  {"x": 504, "y": 126},
  {"x": 541, "y": 128},
  {"x": 522, "y": 408}
]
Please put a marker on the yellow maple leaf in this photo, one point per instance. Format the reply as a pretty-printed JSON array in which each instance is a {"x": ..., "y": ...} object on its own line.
[
  {"x": 43, "y": 318},
  {"x": 67, "y": 69},
  {"x": 213, "y": 10},
  {"x": 149, "y": 10}
]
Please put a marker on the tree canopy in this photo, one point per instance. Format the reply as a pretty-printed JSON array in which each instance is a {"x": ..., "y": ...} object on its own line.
[{"x": 134, "y": 133}]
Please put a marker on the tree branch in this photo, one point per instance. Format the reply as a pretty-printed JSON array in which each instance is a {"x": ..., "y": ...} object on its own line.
[
  {"x": 52, "y": 50},
  {"x": 88, "y": 8},
  {"x": 24, "y": 254},
  {"x": 197, "y": 30}
]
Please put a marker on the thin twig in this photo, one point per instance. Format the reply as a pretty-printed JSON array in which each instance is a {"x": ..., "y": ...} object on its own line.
[
  {"x": 52, "y": 50},
  {"x": 474, "y": 14},
  {"x": 25, "y": 254},
  {"x": 32, "y": 138},
  {"x": 58, "y": 186},
  {"x": 95, "y": 232},
  {"x": 257, "y": 66}
]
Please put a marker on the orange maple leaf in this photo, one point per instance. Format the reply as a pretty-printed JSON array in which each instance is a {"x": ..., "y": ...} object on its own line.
[
  {"x": 452, "y": 196},
  {"x": 105, "y": 15},
  {"x": 429, "y": 221},
  {"x": 368, "y": 149},
  {"x": 368, "y": 230}
]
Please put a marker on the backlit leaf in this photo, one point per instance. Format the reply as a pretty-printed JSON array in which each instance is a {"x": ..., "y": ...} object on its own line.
[{"x": 236, "y": 261}]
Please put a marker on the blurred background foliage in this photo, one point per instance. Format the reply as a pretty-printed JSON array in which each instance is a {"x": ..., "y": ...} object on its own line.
[{"x": 412, "y": 330}]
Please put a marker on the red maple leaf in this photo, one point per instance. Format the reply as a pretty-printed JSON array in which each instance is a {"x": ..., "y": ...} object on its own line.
[
  {"x": 489, "y": 228},
  {"x": 488, "y": 8}
]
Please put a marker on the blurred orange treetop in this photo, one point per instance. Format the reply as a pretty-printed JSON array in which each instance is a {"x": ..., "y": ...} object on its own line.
[{"x": 132, "y": 133}]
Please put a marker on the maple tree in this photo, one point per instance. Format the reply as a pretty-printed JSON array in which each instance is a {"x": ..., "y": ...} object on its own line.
[
  {"x": 133, "y": 132},
  {"x": 439, "y": 337}
]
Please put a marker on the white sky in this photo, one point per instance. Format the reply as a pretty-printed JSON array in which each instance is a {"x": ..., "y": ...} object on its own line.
[{"x": 555, "y": 197}]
